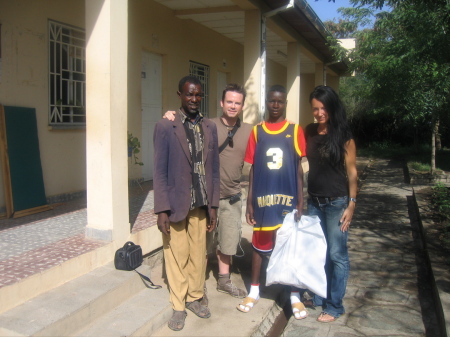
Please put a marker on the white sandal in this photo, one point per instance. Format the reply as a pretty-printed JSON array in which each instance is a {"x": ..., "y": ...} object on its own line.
[
  {"x": 247, "y": 304},
  {"x": 299, "y": 310}
]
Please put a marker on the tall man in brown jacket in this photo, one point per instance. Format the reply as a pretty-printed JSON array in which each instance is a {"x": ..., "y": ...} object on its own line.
[{"x": 186, "y": 186}]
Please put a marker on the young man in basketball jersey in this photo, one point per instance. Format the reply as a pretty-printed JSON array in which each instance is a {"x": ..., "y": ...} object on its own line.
[{"x": 274, "y": 150}]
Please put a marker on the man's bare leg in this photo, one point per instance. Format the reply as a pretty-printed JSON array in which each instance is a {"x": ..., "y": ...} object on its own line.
[{"x": 224, "y": 284}]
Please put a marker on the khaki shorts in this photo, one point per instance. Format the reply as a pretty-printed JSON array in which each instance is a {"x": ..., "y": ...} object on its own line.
[{"x": 227, "y": 234}]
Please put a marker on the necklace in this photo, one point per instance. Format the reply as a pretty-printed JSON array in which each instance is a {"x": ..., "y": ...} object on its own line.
[{"x": 229, "y": 127}]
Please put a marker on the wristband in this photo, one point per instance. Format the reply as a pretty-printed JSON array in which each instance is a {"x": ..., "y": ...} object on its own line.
[{"x": 353, "y": 199}]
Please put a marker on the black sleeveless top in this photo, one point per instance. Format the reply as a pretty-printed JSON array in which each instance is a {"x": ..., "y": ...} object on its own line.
[{"x": 325, "y": 179}]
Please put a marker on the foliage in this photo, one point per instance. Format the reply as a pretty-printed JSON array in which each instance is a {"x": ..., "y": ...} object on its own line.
[
  {"x": 405, "y": 59},
  {"x": 385, "y": 149},
  {"x": 441, "y": 200},
  {"x": 134, "y": 147},
  {"x": 403, "y": 69},
  {"x": 418, "y": 159},
  {"x": 419, "y": 166},
  {"x": 352, "y": 19}
]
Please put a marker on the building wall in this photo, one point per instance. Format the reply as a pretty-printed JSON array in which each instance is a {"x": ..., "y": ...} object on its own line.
[
  {"x": 276, "y": 74},
  {"x": 152, "y": 28},
  {"x": 306, "y": 87},
  {"x": 24, "y": 82}
]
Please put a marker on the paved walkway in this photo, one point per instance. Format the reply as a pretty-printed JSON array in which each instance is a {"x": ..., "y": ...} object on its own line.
[
  {"x": 37, "y": 242},
  {"x": 388, "y": 293}
]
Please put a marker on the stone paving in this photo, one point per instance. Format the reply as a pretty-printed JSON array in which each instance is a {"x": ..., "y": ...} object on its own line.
[
  {"x": 388, "y": 290},
  {"x": 37, "y": 242},
  {"x": 386, "y": 295}
]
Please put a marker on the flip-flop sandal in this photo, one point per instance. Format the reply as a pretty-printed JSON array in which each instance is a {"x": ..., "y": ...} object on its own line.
[
  {"x": 247, "y": 304},
  {"x": 197, "y": 308},
  {"x": 321, "y": 318},
  {"x": 299, "y": 310},
  {"x": 176, "y": 322}
]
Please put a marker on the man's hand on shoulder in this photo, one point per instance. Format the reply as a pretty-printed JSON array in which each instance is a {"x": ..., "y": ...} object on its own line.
[{"x": 170, "y": 115}]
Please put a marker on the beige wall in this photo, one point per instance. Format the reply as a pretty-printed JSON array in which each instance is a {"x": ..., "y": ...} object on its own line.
[
  {"x": 152, "y": 27},
  {"x": 333, "y": 81},
  {"x": 24, "y": 82},
  {"x": 306, "y": 87},
  {"x": 276, "y": 74}
]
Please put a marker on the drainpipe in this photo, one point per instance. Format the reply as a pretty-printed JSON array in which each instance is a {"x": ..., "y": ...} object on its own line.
[{"x": 263, "y": 52}]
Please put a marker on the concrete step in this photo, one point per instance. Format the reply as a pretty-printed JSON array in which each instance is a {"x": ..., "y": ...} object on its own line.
[
  {"x": 24, "y": 289},
  {"x": 225, "y": 319},
  {"x": 141, "y": 315},
  {"x": 67, "y": 309}
]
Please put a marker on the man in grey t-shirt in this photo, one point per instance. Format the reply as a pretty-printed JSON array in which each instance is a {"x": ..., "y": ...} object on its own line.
[{"x": 228, "y": 232}]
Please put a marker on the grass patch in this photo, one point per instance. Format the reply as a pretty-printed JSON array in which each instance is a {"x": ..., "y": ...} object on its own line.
[
  {"x": 385, "y": 150},
  {"x": 418, "y": 166},
  {"x": 440, "y": 200},
  {"x": 418, "y": 160}
]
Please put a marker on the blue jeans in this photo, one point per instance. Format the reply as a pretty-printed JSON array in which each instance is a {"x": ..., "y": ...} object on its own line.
[{"x": 337, "y": 264}]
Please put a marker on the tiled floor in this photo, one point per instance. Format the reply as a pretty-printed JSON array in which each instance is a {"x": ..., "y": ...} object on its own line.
[{"x": 37, "y": 242}]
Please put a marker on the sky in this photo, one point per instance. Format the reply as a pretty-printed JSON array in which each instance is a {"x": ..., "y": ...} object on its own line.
[{"x": 328, "y": 10}]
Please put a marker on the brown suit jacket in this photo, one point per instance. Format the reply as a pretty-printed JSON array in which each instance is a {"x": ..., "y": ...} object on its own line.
[{"x": 173, "y": 166}]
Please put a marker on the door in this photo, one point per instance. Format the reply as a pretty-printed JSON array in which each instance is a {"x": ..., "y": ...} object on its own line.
[{"x": 151, "y": 107}]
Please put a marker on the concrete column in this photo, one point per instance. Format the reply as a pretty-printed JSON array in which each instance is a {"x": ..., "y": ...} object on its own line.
[
  {"x": 106, "y": 124},
  {"x": 252, "y": 66},
  {"x": 307, "y": 85},
  {"x": 319, "y": 74},
  {"x": 309, "y": 82},
  {"x": 333, "y": 81},
  {"x": 293, "y": 82}
]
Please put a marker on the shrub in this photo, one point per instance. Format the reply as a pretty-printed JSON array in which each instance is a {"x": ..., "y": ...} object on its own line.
[{"x": 441, "y": 200}]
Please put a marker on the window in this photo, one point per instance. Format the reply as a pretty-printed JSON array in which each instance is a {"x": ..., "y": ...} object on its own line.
[
  {"x": 201, "y": 71},
  {"x": 67, "y": 75}
]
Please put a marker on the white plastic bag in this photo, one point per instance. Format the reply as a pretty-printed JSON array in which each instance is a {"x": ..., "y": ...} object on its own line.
[{"x": 298, "y": 258}]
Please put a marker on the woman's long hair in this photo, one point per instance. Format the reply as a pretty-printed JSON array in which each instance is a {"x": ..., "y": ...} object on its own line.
[{"x": 338, "y": 130}]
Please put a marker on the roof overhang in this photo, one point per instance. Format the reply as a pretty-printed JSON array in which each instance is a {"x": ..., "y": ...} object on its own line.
[{"x": 300, "y": 23}]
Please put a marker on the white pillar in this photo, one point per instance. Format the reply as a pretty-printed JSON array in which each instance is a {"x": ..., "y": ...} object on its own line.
[
  {"x": 319, "y": 74},
  {"x": 252, "y": 66},
  {"x": 333, "y": 81},
  {"x": 106, "y": 124},
  {"x": 293, "y": 82}
]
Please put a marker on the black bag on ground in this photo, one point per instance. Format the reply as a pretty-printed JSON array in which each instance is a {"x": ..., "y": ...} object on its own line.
[{"x": 129, "y": 257}]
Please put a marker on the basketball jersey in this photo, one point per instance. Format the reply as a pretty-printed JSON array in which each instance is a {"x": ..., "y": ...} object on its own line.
[{"x": 275, "y": 178}]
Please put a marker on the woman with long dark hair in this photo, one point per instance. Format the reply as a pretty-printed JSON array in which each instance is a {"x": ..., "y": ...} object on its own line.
[{"x": 332, "y": 188}]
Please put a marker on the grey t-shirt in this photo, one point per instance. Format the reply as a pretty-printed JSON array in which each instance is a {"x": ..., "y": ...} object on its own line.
[{"x": 231, "y": 158}]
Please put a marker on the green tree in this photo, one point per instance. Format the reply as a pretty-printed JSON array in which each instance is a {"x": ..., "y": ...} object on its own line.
[
  {"x": 352, "y": 20},
  {"x": 405, "y": 60}
]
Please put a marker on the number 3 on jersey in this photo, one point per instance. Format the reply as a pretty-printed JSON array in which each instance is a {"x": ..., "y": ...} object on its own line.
[{"x": 277, "y": 158}]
